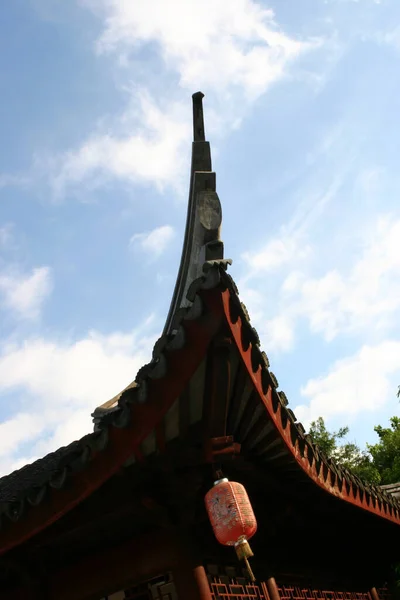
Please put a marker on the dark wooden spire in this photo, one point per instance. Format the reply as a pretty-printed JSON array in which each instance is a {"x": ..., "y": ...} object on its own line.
[
  {"x": 202, "y": 234},
  {"x": 198, "y": 118}
]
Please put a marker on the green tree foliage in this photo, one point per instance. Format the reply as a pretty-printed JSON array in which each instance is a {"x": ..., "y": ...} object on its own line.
[
  {"x": 386, "y": 453},
  {"x": 379, "y": 463},
  {"x": 326, "y": 440}
]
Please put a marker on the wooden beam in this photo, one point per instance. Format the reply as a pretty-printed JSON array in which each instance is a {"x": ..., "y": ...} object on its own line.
[
  {"x": 184, "y": 413},
  {"x": 217, "y": 393}
]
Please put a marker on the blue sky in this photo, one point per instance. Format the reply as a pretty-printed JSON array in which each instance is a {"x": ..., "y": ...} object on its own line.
[{"x": 302, "y": 114}]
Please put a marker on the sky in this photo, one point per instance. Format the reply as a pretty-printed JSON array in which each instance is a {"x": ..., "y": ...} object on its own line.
[{"x": 302, "y": 114}]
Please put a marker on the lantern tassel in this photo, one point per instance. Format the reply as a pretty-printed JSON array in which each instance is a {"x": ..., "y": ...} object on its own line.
[{"x": 244, "y": 552}]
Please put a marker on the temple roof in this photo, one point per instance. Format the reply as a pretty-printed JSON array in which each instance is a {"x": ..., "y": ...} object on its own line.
[
  {"x": 392, "y": 488},
  {"x": 169, "y": 394}
]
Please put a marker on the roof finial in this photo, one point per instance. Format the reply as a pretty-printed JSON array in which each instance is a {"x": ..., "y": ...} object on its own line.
[
  {"x": 198, "y": 118},
  {"x": 202, "y": 242}
]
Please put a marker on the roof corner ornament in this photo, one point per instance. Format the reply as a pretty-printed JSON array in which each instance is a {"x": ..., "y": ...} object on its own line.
[{"x": 202, "y": 241}]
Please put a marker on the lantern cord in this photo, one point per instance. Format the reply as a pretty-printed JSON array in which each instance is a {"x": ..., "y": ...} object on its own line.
[
  {"x": 218, "y": 474},
  {"x": 249, "y": 570}
]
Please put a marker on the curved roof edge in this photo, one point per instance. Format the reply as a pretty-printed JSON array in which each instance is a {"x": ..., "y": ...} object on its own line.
[{"x": 325, "y": 472}]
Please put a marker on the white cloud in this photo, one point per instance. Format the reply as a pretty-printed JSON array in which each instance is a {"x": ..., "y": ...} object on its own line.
[
  {"x": 215, "y": 44},
  {"x": 278, "y": 251},
  {"x": 20, "y": 428},
  {"x": 55, "y": 387},
  {"x": 366, "y": 294},
  {"x": 358, "y": 296},
  {"x": 278, "y": 333},
  {"x": 288, "y": 249},
  {"x": 388, "y": 37},
  {"x": 25, "y": 294},
  {"x": 154, "y": 242},
  {"x": 359, "y": 383},
  {"x": 151, "y": 151},
  {"x": 370, "y": 180}
]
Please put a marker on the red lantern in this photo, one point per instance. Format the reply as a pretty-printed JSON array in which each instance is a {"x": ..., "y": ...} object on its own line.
[{"x": 232, "y": 518}]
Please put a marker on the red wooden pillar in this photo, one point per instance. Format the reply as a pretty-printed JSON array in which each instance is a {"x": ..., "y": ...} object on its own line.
[
  {"x": 374, "y": 594},
  {"x": 203, "y": 583},
  {"x": 272, "y": 588},
  {"x": 188, "y": 572},
  {"x": 191, "y": 582}
]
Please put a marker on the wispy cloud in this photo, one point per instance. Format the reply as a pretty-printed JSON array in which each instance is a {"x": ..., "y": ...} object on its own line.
[
  {"x": 154, "y": 242},
  {"x": 6, "y": 235},
  {"x": 278, "y": 333},
  {"x": 150, "y": 153},
  {"x": 24, "y": 294},
  {"x": 357, "y": 296},
  {"x": 235, "y": 49},
  {"x": 365, "y": 294},
  {"x": 11, "y": 180},
  {"x": 277, "y": 252}
]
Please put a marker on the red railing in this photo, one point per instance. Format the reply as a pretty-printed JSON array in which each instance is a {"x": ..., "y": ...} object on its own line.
[
  {"x": 296, "y": 593},
  {"x": 237, "y": 591},
  {"x": 229, "y": 586}
]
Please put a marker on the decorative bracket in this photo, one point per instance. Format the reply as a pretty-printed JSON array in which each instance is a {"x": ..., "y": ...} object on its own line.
[{"x": 222, "y": 449}]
